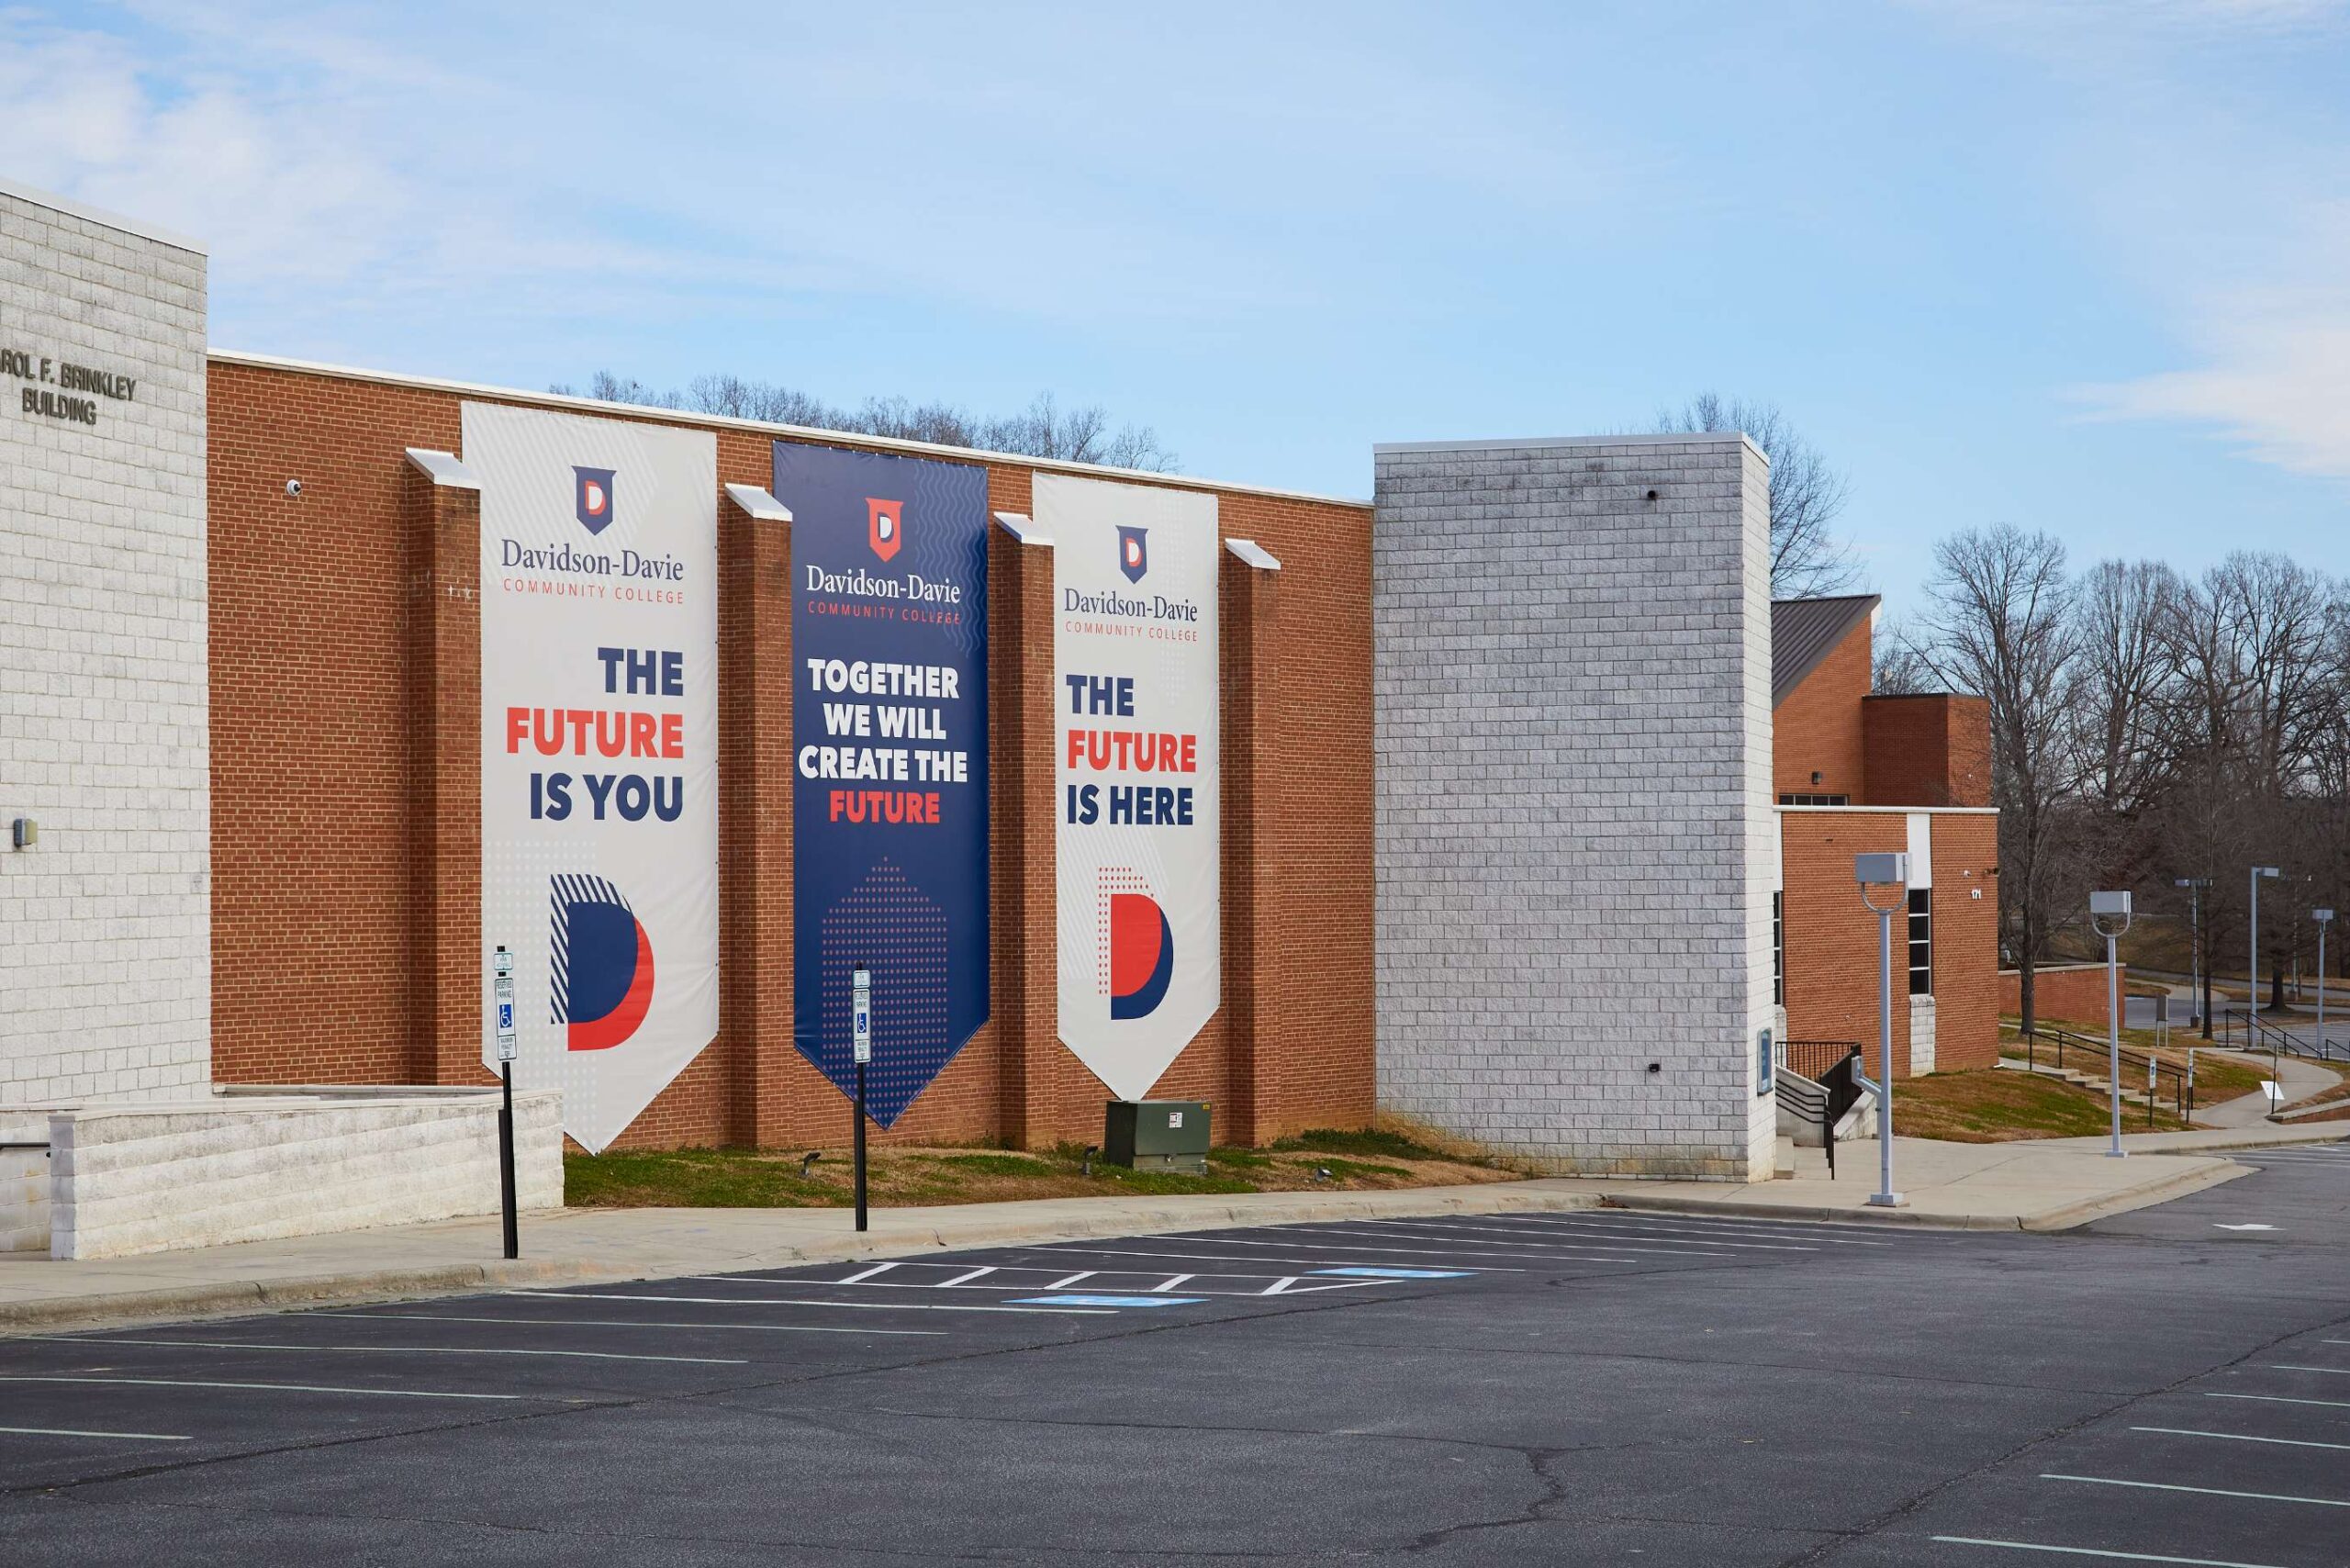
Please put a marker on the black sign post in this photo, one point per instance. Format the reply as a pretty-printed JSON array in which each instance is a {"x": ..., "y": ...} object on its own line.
[
  {"x": 502, "y": 994},
  {"x": 861, "y": 1037}
]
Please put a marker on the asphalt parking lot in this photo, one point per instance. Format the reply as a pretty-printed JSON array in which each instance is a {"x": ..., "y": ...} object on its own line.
[{"x": 2171, "y": 1386}]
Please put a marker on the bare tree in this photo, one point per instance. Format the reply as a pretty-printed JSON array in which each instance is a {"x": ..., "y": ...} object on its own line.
[
  {"x": 1896, "y": 667},
  {"x": 1999, "y": 624},
  {"x": 1044, "y": 429},
  {"x": 1808, "y": 560},
  {"x": 2122, "y": 682}
]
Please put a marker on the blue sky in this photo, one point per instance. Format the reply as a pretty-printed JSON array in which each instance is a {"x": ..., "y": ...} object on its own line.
[{"x": 2084, "y": 267}]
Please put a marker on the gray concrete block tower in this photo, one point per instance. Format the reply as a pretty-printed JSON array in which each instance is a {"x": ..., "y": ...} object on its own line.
[
  {"x": 1576, "y": 841},
  {"x": 107, "y": 961}
]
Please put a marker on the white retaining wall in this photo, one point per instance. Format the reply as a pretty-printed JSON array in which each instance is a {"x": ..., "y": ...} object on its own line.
[{"x": 124, "y": 1179}]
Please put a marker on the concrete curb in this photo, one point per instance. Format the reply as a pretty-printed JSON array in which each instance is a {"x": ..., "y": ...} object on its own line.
[{"x": 2177, "y": 1184}]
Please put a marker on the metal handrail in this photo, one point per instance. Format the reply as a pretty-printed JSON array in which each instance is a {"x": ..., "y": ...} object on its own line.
[
  {"x": 2099, "y": 1054},
  {"x": 2261, "y": 1034}
]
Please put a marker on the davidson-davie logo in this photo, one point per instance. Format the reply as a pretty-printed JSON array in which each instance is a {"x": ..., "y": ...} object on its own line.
[
  {"x": 1133, "y": 557},
  {"x": 884, "y": 526},
  {"x": 592, "y": 495}
]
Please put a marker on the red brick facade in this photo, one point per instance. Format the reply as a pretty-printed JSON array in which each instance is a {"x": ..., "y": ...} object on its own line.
[
  {"x": 1891, "y": 757},
  {"x": 1818, "y": 731},
  {"x": 345, "y": 769}
]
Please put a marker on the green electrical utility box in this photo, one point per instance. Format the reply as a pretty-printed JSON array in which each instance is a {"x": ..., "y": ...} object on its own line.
[{"x": 1157, "y": 1134}]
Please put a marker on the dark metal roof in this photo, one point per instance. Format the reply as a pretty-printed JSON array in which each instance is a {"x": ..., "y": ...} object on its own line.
[{"x": 1805, "y": 631}]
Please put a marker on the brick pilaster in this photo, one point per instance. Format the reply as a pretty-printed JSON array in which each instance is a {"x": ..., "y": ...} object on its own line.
[
  {"x": 1020, "y": 694},
  {"x": 1252, "y": 921},
  {"x": 754, "y": 820},
  {"x": 447, "y": 965}
]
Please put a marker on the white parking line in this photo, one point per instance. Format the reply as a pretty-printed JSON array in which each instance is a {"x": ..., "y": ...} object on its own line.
[
  {"x": 1217, "y": 1257},
  {"x": 2094, "y": 1552},
  {"x": 1163, "y": 1282},
  {"x": 1548, "y": 1228},
  {"x": 2288, "y": 1367},
  {"x": 2280, "y": 1399},
  {"x": 943, "y": 1284},
  {"x": 1455, "y": 1252},
  {"x": 877, "y": 1268},
  {"x": 285, "y": 1387},
  {"x": 1820, "y": 1230},
  {"x": 1174, "y": 1279},
  {"x": 1063, "y": 1283},
  {"x": 1587, "y": 1248},
  {"x": 2242, "y": 1437},
  {"x": 2199, "y": 1491},
  {"x": 791, "y": 1301},
  {"x": 392, "y": 1349},
  {"x": 1698, "y": 1229},
  {"x": 71, "y": 1432},
  {"x": 638, "y": 1322}
]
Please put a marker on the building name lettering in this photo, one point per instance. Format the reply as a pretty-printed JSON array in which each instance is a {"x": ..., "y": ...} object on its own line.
[{"x": 56, "y": 387}]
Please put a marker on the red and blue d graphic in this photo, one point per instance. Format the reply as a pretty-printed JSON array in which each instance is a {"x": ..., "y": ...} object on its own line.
[
  {"x": 885, "y": 526},
  {"x": 1134, "y": 552},
  {"x": 602, "y": 981},
  {"x": 592, "y": 498},
  {"x": 1142, "y": 955}
]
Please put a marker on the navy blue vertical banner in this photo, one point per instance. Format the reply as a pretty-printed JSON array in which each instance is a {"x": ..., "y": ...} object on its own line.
[{"x": 889, "y": 759}]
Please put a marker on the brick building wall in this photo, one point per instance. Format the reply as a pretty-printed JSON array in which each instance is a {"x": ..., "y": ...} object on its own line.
[
  {"x": 1930, "y": 749},
  {"x": 1574, "y": 835},
  {"x": 1817, "y": 728},
  {"x": 1830, "y": 939},
  {"x": 2062, "y": 994},
  {"x": 343, "y": 629},
  {"x": 101, "y": 655}
]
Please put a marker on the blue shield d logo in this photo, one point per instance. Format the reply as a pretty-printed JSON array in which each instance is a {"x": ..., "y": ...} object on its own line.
[
  {"x": 593, "y": 494},
  {"x": 1134, "y": 557}
]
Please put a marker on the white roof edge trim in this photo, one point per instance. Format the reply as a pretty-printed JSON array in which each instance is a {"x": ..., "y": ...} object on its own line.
[
  {"x": 111, "y": 219},
  {"x": 1023, "y": 527},
  {"x": 1900, "y": 811},
  {"x": 758, "y": 503},
  {"x": 443, "y": 469},
  {"x": 1542, "y": 442},
  {"x": 798, "y": 432},
  {"x": 1253, "y": 553}
]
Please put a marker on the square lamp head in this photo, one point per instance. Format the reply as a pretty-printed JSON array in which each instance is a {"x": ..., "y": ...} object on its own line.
[
  {"x": 2321, "y": 916},
  {"x": 2110, "y": 903},
  {"x": 1880, "y": 871}
]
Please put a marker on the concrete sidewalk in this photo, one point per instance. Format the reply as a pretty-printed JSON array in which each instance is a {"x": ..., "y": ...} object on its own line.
[{"x": 2033, "y": 1186}]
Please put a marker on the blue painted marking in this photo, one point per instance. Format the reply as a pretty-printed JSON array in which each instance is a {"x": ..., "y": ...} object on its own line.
[
  {"x": 1108, "y": 1300},
  {"x": 1400, "y": 1273}
]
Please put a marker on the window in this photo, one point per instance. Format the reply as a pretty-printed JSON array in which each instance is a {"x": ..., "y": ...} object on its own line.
[
  {"x": 1921, "y": 942},
  {"x": 1801, "y": 799},
  {"x": 1778, "y": 949}
]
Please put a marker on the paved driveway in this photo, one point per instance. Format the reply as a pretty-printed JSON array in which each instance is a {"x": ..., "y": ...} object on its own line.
[{"x": 1605, "y": 1387}]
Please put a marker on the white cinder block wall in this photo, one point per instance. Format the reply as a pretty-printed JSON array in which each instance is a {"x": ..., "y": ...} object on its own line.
[
  {"x": 1575, "y": 835},
  {"x": 106, "y": 960}
]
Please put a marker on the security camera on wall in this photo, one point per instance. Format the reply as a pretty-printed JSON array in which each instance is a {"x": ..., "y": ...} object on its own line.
[{"x": 294, "y": 488}]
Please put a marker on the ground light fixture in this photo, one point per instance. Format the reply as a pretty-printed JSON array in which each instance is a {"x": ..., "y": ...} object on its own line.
[
  {"x": 2197, "y": 1012},
  {"x": 1883, "y": 871},
  {"x": 2324, "y": 917},
  {"x": 2252, "y": 990},
  {"x": 2109, "y": 913}
]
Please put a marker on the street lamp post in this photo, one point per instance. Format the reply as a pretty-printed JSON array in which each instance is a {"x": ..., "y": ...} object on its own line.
[
  {"x": 2114, "y": 907},
  {"x": 2197, "y": 1008},
  {"x": 2324, "y": 917},
  {"x": 2252, "y": 989},
  {"x": 1875, "y": 871}
]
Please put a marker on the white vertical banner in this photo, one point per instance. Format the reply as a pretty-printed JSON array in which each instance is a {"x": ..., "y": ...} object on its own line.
[
  {"x": 1137, "y": 690},
  {"x": 599, "y": 750}
]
